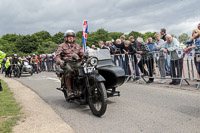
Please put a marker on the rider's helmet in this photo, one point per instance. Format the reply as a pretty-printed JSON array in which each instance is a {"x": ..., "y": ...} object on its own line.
[
  {"x": 33, "y": 55},
  {"x": 15, "y": 55},
  {"x": 69, "y": 33}
]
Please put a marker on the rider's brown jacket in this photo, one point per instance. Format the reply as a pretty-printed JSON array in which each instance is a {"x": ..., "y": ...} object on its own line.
[{"x": 70, "y": 50}]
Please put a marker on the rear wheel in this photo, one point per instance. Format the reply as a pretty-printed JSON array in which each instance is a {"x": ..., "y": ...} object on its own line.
[{"x": 98, "y": 100}]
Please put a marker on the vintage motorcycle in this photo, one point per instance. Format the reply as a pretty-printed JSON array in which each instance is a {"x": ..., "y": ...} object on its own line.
[
  {"x": 26, "y": 68},
  {"x": 16, "y": 70},
  {"x": 94, "y": 81}
]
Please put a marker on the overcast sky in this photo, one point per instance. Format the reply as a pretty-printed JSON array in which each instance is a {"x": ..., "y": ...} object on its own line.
[{"x": 30, "y": 16}]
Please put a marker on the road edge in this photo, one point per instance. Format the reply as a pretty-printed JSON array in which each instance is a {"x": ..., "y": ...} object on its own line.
[{"x": 38, "y": 115}]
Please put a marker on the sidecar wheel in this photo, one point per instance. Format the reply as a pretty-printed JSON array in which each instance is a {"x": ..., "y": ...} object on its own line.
[{"x": 98, "y": 100}]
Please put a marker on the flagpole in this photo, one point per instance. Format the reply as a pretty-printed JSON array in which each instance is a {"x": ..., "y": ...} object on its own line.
[{"x": 84, "y": 34}]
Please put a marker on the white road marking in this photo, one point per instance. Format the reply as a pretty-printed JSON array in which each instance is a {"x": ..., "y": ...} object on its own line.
[{"x": 55, "y": 79}]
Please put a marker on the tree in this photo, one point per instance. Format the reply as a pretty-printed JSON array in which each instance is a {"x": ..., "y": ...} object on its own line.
[
  {"x": 10, "y": 37},
  {"x": 135, "y": 34},
  {"x": 42, "y": 35},
  {"x": 115, "y": 35},
  {"x": 183, "y": 38},
  {"x": 27, "y": 44},
  {"x": 58, "y": 38},
  {"x": 173, "y": 35}
]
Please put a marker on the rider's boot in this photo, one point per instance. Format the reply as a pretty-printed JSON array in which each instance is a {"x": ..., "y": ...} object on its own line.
[{"x": 69, "y": 87}]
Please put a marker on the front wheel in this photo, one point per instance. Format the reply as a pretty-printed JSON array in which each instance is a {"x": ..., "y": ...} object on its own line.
[
  {"x": 98, "y": 100},
  {"x": 18, "y": 73}
]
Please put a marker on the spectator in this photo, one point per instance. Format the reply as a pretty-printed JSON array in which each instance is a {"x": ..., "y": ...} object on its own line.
[
  {"x": 131, "y": 39},
  {"x": 94, "y": 47},
  {"x": 110, "y": 47},
  {"x": 171, "y": 47},
  {"x": 28, "y": 57},
  {"x": 122, "y": 38},
  {"x": 167, "y": 62},
  {"x": 199, "y": 26},
  {"x": 195, "y": 38},
  {"x": 41, "y": 62},
  {"x": 146, "y": 41},
  {"x": 101, "y": 45},
  {"x": 146, "y": 58},
  {"x": 120, "y": 46},
  {"x": 126, "y": 61},
  {"x": 159, "y": 43},
  {"x": 150, "y": 44},
  {"x": 133, "y": 51},
  {"x": 115, "y": 48},
  {"x": 163, "y": 33}
]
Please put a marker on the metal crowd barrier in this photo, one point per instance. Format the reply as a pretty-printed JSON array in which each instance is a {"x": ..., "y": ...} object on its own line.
[{"x": 185, "y": 67}]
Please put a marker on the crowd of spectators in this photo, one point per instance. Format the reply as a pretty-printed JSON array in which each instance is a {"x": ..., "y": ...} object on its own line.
[{"x": 165, "y": 47}]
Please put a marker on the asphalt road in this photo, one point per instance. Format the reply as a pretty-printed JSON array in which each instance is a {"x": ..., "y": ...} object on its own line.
[{"x": 140, "y": 108}]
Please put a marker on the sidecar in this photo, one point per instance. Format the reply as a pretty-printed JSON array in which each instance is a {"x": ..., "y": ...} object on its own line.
[
  {"x": 26, "y": 68},
  {"x": 114, "y": 76}
]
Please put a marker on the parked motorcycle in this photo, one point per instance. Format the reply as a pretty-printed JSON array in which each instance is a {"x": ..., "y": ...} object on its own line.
[{"x": 94, "y": 81}]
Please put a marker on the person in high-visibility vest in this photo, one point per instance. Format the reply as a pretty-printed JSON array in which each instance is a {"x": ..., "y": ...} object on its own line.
[
  {"x": 2, "y": 56},
  {"x": 8, "y": 65}
]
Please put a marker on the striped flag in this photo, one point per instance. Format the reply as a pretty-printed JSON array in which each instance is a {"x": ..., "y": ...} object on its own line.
[{"x": 85, "y": 28}]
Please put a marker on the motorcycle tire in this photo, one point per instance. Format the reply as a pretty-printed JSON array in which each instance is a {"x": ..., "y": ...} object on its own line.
[
  {"x": 18, "y": 73},
  {"x": 99, "y": 95}
]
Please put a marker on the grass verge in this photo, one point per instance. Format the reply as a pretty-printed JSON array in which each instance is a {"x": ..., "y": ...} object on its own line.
[{"x": 10, "y": 110}]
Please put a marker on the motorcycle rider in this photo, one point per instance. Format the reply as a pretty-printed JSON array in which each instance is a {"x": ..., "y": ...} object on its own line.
[
  {"x": 69, "y": 48},
  {"x": 2, "y": 56},
  {"x": 15, "y": 59}
]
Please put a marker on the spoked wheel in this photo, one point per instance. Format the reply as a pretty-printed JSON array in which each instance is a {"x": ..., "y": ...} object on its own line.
[
  {"x": 98, "y": 100},
  {"x": 18, "y": 73}
]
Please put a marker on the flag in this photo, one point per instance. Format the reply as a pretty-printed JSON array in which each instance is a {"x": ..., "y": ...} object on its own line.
[{"x": 85, "y": 28}]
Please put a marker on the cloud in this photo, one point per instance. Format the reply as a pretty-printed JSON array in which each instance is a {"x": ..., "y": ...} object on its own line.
[{"x": 27, "y": 17}]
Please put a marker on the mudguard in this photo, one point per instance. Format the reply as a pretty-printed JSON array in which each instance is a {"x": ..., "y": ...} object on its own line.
[{"x": 98, "y": 77}]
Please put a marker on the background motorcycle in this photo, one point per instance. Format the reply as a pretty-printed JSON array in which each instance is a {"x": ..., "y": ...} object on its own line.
[
  {"x": 26, "y": 68},
  {"x": 16, "y": 70}
]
